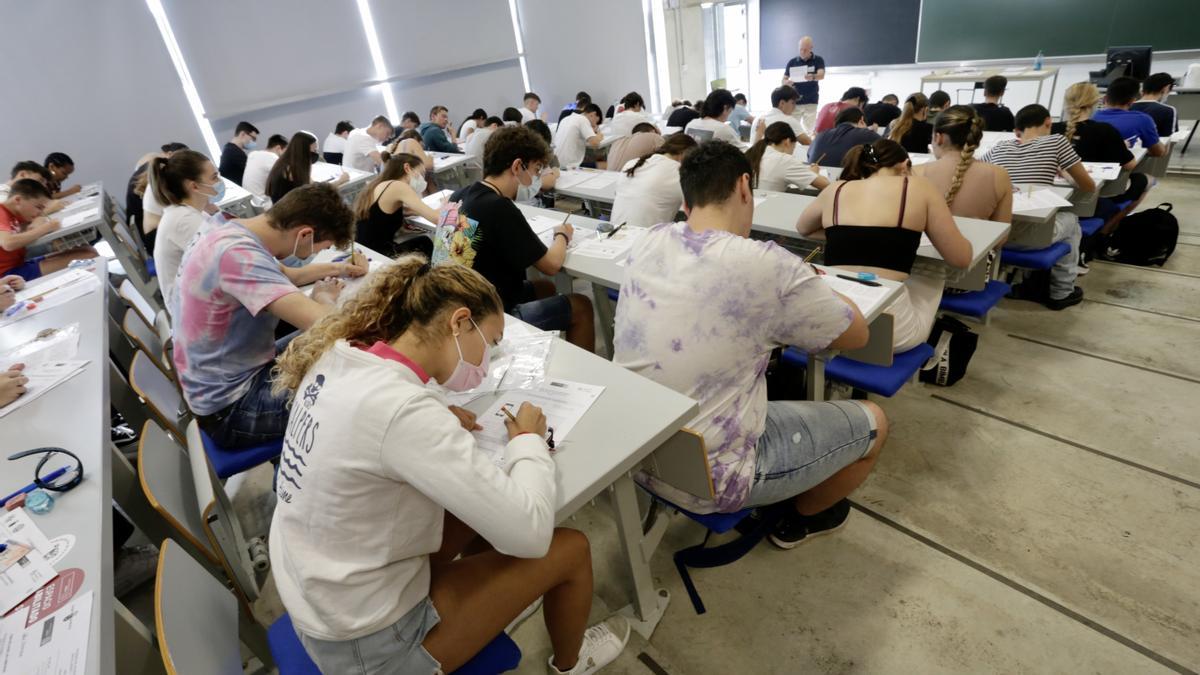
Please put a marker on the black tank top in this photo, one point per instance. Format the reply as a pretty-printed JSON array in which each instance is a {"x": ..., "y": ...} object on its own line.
[
  {"x": 378, "y": 231},
  {"x": 889, "y": 248}
]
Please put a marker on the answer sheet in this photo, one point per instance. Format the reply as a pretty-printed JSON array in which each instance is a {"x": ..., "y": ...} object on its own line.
[
  {"x": 562, "y": 402},
  {"x": 55, "y": 645},
  {"x": 1026, "y": 201},
  {"x": 865, "y": 297},
  {"x": 42, "y": 378}
]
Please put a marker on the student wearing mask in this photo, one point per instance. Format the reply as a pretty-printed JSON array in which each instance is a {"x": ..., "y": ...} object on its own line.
[
  {"x": 379, "y": 209},
  {"x": 717, "y": 107},
  {"x": 995, "y": 116},
  {"x": 683, "y": 116},
  {"x": 882, "y": 113},
  {"x": 643, "y": 140},
  {"x": 972, "y": 189},
  {"x": 1134, "y": 126},
  {"x": 576, "y": 133},
  {"x": 1038, "y": 156},
  {"x": 1155, "y": 90},
  {"x": 362, "y": 145},
  {"x": 648, "y": 191},
  {"x": 529, "y": 107},
  {"x": 829, "y": 147},
  {"x": 259, "y": 164},
  {"x": 472, "y": 123},
  {"x": 60, "y": 166},
  {"x": 294, "y": 167},
  {"x": 761, "y": 298},
  {"x": 230, "y": 295},
  {"x": 22, "y": 222},
  {"x": 436, "y": 135},
  {"x": 402, "y": 599},
  {"x": 335, "y": 143},
  {"x": 582, "y": 100},
  {"x": 535, "y": 194},
  {"x": 855, "y": 97},
  {"x": 740, "y": 114},
  {"x": 184, "y": 183},
  {"x": 776, "y": 167},
  {"x": 233, "y": 155},
  {"x": 473, "y": 148},
  {"x": 783, "y": 105},
  {"x": 938, "y": 101},
  {"x": 911, "y": 130},
  {"x": 502, "y": 247},
  {"x": 632, "y": 114}
]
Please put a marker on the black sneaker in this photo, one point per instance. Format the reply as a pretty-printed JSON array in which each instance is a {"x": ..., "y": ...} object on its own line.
[
  {"x": 795, "y": 528},
  {"x": 1074, "y": 298}
]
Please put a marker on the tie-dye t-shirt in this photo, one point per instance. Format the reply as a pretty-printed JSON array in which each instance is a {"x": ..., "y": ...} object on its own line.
[
  {"x": 223, "y": 335},
  {"x": 700, "y": 313}
]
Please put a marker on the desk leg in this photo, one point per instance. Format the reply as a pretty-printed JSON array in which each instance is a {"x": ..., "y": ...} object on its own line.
[
  {"x": 605, "y": 313},
  {"x": 648, "y": 605},
  {"x": 1188, "y": 142},
  {"x": 814, "y": 378},
  {"x": 135, "y": 648}
]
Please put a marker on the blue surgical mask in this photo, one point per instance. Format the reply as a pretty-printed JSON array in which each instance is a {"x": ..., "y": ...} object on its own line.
[
  {"x": 294, "y": 260},
  {"x": 250, "y": 145},
  {"x": 218, "y": 189}
]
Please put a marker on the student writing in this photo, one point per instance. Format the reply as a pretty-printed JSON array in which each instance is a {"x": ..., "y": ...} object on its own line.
[{"x": 648, "y": 191}]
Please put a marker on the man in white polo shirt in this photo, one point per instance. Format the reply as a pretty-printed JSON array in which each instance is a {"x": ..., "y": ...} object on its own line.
[
  {"x": 783, "y": 102},
  {"x": 362, "y": 145},
  {"x": 577, "y": 132}
]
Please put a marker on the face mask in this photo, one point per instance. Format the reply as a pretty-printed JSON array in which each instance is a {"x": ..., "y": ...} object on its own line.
[
  {"x": 294, "y": 260},
  {"x": 467, "y": 376},
  {"x": 250, "y": 145},
  {"x": 526, "y": 193},
  {"x": 419, "y": 184},
  {"x": 219, "y": 191},
  {"x": 313, "y": 157}
]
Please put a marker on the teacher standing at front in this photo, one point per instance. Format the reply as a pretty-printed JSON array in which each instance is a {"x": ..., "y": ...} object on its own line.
[{"x": 803, "y": 72}]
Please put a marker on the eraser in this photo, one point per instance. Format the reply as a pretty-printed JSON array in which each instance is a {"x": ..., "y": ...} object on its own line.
[{"x": 15, "y": 503}]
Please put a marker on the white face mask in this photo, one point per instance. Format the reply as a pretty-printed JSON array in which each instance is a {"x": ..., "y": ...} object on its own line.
[{"x": 418, "y": 183}]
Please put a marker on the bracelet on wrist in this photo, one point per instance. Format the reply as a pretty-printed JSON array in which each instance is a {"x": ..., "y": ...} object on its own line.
[{"x": 564, "y": 236}]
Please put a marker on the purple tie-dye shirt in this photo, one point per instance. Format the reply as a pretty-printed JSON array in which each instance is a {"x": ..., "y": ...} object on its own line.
[
  {"x": 222, "y": 334},
  {"x": 700, "y": 313}
]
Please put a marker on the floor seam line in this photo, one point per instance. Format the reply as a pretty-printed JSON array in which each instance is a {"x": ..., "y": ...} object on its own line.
[
  {"x": 1190, "y": 275},
  {"x": 1141, "y": 309},
  {"x": 1073, "y": 350}
]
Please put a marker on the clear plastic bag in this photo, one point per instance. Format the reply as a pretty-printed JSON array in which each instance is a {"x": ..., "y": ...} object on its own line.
[{"x": 51, "y": 344}]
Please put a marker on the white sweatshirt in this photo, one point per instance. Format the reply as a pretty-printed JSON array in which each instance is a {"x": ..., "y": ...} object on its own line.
[{"x": 371, "y": 460}]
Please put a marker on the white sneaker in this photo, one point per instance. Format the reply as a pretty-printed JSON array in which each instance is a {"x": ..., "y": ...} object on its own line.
[
  {"x": 525, "y": 614},
  {"x": 602, "y": 644}
]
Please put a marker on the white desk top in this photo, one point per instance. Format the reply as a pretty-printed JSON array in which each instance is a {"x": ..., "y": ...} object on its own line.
[
  {"x": 445, "y": 161},
  {"x": 978, "y": 74},
  {"x": 1043, "y": 213},
  {"x": 74, "y": 415},
  {"x": 606, "y": 193},
  {"x": 73, "y": 209},
  {"x": 324, "y": 172}
]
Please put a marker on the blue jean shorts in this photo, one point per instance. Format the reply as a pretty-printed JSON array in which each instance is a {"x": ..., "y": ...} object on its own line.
[
  {"x": 552, "y": 313},
  {"x": 395, "y": 650},
  {"x": 806, "y": 442},
  {"x": 28, "y": 270}
]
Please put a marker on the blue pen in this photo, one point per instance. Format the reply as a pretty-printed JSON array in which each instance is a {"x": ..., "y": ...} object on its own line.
[
  {"x": 33, "y": 486},
  {"x": 12, "y": 311}
]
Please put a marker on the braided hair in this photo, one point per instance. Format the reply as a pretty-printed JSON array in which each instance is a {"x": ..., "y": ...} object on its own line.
[
  {"x": 1078, "y": 102},
  {"x": 964, "y": 127}
]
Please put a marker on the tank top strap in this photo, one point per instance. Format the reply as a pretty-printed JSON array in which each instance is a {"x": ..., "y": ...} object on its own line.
[{"x": 836, "y": 195}]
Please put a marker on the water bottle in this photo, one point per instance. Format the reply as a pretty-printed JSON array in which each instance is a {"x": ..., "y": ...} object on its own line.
[{"x": 1038, "y": 60}]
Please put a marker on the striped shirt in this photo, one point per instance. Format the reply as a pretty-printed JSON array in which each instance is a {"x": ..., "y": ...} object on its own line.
[{"x": 1037, "y": 161}]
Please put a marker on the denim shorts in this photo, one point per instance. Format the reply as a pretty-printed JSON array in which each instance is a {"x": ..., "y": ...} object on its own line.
[
  {"x": 28, "y": 270},
  {"x": 804, "y": 443},
  {"x": 395, "y": 650},
  {"x": 552, "y": 313}
]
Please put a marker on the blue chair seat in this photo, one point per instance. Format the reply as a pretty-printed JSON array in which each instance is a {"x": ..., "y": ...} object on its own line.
[
  {"x": 613, "y": 294},
  {"x": 1090, "y": 226},
  {"x": 1035, "y": 259},
  {"x": 976, "y": 303},
  {"x": 882, "y": 380},
  {"x": 151, "y": 269},
  {"x": 499, "y": 656},
  {"x": 230, "y": 462}
]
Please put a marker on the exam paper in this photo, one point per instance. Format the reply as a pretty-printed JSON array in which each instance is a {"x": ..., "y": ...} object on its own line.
[
  {"x": 600, "y": 180},
  {"x": 1025, "y": 201},
  {"x": 866, "y": 298},
  {"x": 24, "y": 569},
  {"x": 569, "y": 179},
  {"x": 56, "y": 645},
  {"x": 80, "y": 217},
  {"x": 42, "y": 378},
  {"x": 1102, "y": 170},
  {"x": 615, "y": 247},
  {"x": 562, "y": 402},
  {"x": 51, "y": 291}
]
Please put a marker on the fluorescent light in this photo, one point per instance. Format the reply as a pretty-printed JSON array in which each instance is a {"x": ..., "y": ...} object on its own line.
[
  {"x": 654, "y": 29},
  {"x": 185, "y": 78},
  {"x": 364, "y": 11},
  {"x": 706, "y": 5},
  {"x": 516, "y": 23}
]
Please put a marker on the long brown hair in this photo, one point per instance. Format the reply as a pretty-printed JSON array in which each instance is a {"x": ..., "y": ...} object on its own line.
[
  {"x": 912, "y": 105},
  {"x": 864, "y": 160},
  {"x": 393, "y": 169},
  {"x": 295, "y": 164},
  {"x": 675, "y": 144},
  {"x": 964, "y": 127},
  {"x": 170, "y": 173},
  {"x": 407, "y": 295},
  {"x": 775, "y": 134}
]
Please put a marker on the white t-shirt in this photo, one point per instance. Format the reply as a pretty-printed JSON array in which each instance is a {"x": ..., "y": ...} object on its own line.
[
  {"x": 5, "y": 191},
  {"x": 476, "y": 142},
  {"x": 359, "y": 146},
  {"x": 334, "y": 143},
  {"x": 651, "y": 197},
  {"x": 778, "y": 170},
  {"x": 776, "y": 115},
  {"x": 527, "y": 115},
  {"x": 570, "y": 141},
  {"x": 700, "y": 313},
  {"x": 467, "y": 126},
  {"x": 258, "y": 166},
  {"x": 178, "y": 227},
  {"x": 623, "y": 122},
  {"x": 721, "y": 131},
  {"x": 372, "y": 459},
  {"x": 149, "y": 201}
]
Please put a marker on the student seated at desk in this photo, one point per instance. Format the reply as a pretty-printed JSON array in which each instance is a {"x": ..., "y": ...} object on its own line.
[
  {"x": 294, "y": 167},
  {"x": 938, "y": 101},
  {"x": 1155, "y": 90},
  {"x": 511, "y": 117},
  {"x": 775, "y": 165},
  {"x": 229, "y": 297},
  {"x": 9, "y": 285},
  {"x": 547, "y": 178},
  {"x": 33, "y": 171},
  {"x": 260, "y": 162},
  {"x": 643, "y": 140},
  {"x": 61, "y": 166},
  {"x": 22, "y": 222},
  {"x": 829, "y": 147},
  {"x": 682, "y": 116},
  {"x": 380, "y": 208},
  {"x": 135, "y": 194},
  {"x": 911, "y": 130},
  {"x": 872, "y": 221},
  {"x": 409, "y": 142},
  {"x": 502, "y": 246},
  {"x": 233, "y": 154},
  {"x": 632, "y": 114},
  {"x": 717, "y": 108},
  {"x": 473, "y": 148},
  {"x": 853, "y": 98},
  {"x": 469, "y": 125},
  {"x": 702, "y": 307},
  {"x": 575, "y": 134},
  {"x": 740, "y": 113},
  {"x": 335, "y": 143},
  {"x": 380, "y": 583},
  {"x": 529, "y": 107},
  {"x": 436, "y": 134},
  {"x": 995, "y": 116},
  {"x": 1037, "y": 156},
  {"x": 1134, "y": 126},
  {"x": 362, "y": 145},
  {"x": 783, "y": 107},
  {"x": 972, "y": 189},
  {"x": 185, "y": 183},
  {"x": 648, "y": 191},
  {"x": 882, "y": 113},
  {"x": 582, "y": 100},
  {"x": 409, "y": 121}
]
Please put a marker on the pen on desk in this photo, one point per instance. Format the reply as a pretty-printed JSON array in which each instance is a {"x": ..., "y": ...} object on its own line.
[
  {"x": 615, "y": 230},
  {"x": 48, "y": 478},
  {"x": 12, "y": 311},
  {"x": 864, "y": 282},
  {"x": 504, "y": 409},
  {"x": 821, "y": 158},
  {"x": 810, "y": 256}
]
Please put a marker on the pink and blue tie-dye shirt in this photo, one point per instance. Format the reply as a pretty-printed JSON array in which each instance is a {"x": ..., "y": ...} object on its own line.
[
  {"x": 700, "y": 313},
  {"x": 223, "y": 335}
]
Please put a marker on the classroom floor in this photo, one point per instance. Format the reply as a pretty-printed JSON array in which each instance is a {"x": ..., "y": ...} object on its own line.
[{"x": 1042, "y": 515}]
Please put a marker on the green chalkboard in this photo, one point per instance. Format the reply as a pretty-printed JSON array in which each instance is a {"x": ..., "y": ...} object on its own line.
[{"x": 967, "y": 30}]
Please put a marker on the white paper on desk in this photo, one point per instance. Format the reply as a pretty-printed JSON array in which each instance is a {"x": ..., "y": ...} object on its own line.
[
  {"x": 81, "y": 217},
  {"x": 53, "y": 291},
  {"x": 1024, "y": 201},
  {"x": 600, "y": 180},
  {"x": 42, "y": 378},
  {"x": 581, "y": 235},
  {"x": 1102, "y": 170},
  {"x": 21, "y": 579},
  {"x": 82, "y": 204},
  {"x": 614, "y": 247},
  {"x": 863, "y": 296},
  {"x": 16, "y": 525},
  {"x": 569, "y": 179},
  {"x": 562, "y": 402},
  {"x": 540, "y": 224},
  {"x": 56, "y": 645}
]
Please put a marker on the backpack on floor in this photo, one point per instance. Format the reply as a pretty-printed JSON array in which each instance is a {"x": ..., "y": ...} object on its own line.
[
  {"x": 1144, "y": 238},
  {"x": 953, "y": 346}
]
